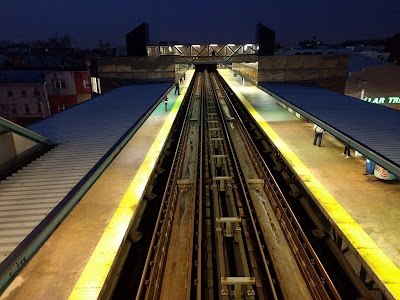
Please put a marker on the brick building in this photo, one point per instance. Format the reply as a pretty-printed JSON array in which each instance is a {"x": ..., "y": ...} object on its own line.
[
  {"x": 67, "y": 88},
  {"x": 27, "y": 95}
]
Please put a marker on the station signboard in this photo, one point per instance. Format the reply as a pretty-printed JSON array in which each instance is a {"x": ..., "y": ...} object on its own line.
[{"x": 382, "y": 100}]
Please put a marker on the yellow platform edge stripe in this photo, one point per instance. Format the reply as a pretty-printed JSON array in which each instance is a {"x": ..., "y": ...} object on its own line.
[
  {"x": 383, "y": 268},
  {"x": 94, "y": 276}
]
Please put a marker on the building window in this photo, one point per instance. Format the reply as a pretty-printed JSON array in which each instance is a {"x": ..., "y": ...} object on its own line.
[
  {"x": 13, "y": 108},
  {"x": 38, "y": 108},
  {"x": 23, "y": 93},
  {"x": 59, "y": 84},
  {"x": 86, "y": 83},
  {"x": 27, "y": 110},
  {"x": 36, "y": 92},
  {"x": 10, "y": 93},
  {"x": 3, "y": 107},
  {"x": 62, "y": 107}
]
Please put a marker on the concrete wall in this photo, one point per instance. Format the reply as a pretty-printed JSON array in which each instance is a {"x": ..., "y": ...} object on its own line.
[
  {"x": 7, "y": 147},
  {"x": 328, "y": 71},
  {"x": 13, "y": 144},
  {"x": 247, "y": 70},
  {"x": 137, "y": 68},
  {"x": 301, "y": 67},
  {"x": 21, "y": 143},
  {"x": 115, "y": 72}
]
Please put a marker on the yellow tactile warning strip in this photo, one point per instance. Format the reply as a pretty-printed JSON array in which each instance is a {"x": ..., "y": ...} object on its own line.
[
  {"x": 384, "y": 269},
  {"x": 94, "y": 275}
]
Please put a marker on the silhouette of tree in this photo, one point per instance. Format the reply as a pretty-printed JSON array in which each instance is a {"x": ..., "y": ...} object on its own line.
[{"x": 56, "y": 47}]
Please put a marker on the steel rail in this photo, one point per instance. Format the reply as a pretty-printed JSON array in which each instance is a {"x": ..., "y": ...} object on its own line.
[
  {"x": 292, "y": 228},
  {"x": 214, "y": 207},
  {"x": 243, "y": 186},
  {"x": 152, "y": 264},
  {"x": 200, "y": 203}
]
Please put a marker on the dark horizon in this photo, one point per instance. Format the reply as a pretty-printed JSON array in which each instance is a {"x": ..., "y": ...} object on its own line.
[{"x": 207, "y": 22}]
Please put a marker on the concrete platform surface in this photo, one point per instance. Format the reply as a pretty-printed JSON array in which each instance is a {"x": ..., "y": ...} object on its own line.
[{"x": 55, "y": 269}]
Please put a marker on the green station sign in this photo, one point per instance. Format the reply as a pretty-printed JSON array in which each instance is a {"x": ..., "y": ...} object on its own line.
[{"x": 382, "y": 100}]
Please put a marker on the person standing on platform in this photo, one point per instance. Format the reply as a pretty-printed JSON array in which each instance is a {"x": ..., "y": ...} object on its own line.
[
  {"x": 166, "y": 103},
  {"x": 346, "y": 152},
  {"x": 318, "y": 132},
  {"x": 184, "y": 76},
  {"x": 177, "y": 88}
]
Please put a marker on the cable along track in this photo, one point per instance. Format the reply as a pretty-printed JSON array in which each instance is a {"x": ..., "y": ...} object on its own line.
[{"x": 223, "y": 230}]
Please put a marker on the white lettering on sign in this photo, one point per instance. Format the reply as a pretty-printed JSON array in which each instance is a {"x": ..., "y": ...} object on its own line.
[
  {"x": 382, "y": 100},
  {"x": 394, "y": 100}
]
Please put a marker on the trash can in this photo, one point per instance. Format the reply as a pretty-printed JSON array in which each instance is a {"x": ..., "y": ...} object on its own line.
[{"x": 370, "y": 166}]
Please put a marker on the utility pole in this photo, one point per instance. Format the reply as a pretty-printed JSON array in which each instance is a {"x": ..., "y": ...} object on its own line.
[
  {"x": 46, "y": 98},
  {"x": 39, "y": 98}
]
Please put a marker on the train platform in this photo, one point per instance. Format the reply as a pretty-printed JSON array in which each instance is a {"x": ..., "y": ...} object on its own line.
[
  {"x": 365, "y": 209},
  {"x": 75, "y": 261}
]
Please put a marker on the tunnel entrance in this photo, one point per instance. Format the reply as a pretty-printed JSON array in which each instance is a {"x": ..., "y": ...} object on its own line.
[{"x": 208, "y": 67}]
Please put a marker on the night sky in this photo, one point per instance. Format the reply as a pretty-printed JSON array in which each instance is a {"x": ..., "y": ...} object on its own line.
[{"x": 201, "y": 21}]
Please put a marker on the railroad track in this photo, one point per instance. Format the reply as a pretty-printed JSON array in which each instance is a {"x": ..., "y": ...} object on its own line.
[{"x": 224, "y": 229}]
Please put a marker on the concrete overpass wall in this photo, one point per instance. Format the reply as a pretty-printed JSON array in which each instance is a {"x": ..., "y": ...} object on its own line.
[
  {"x": 328, "y": 71},
  {"x": 119, "y": 71},
  {"x": 247, "y": 70}
]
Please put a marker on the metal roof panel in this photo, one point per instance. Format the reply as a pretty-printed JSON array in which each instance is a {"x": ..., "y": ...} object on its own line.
[
  {"x": 369, "y": 128},
  {"x": 85, "y": 134}
]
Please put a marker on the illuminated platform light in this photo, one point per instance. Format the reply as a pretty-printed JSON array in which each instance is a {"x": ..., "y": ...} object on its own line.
[
  {"x": 196, "y": 45},
  {"x": 231, "y": 45},
  {"x": 214, "y": 45},
  {"x": 178, "y": 46},
  {"x": 247, "y": 45},
  {"x": 95, "y": 274}
]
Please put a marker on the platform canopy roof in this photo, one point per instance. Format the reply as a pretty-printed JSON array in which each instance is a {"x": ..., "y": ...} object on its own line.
[{"x": 370, "y": 129}]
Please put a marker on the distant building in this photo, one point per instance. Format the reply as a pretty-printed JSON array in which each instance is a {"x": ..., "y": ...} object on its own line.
[
  {"x": 370, "y": 43},
  {"x": 27, "y": 95},
  {"x": 121, "y": 51},
  {"x": 23, "y": 97},
  {"x": 357, "y": 60},
  {"x": 137, "y": 40},
  {"x": 310, "y": 44},
  {"x": 67, "y": 88},
  {"x": 392, "y": 45},
  {"x": 265, "y": 38}
]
